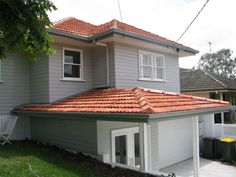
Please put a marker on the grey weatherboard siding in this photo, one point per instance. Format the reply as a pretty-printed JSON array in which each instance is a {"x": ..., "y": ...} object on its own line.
[
  {"x": 39, "y": 81},
  {"x": 99, "y": 67},
  {"x": 58, "y": 88},
  {"x": 126, "y": 69},
  {"x": 15, "y": 89},
  {"x": 79, "y": 135}
]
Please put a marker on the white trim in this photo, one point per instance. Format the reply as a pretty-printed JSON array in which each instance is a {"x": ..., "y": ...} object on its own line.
[
  {"x": 81, "y": 65},
  {"x": 72, "y": 79},
  {"x": 129, "y": 133},
  {"x": 152, "y": 66},
  {"x": 196, "y": 158},
  {"x": 145, "y": 146}
]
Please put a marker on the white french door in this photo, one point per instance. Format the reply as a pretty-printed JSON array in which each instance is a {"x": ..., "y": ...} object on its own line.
[{"x": 125, "y": 146}]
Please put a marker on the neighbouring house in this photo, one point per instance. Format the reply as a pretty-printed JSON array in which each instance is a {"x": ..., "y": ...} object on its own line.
[
  {"x": 110, "y": 91},
  {"x": 209, "y": 85}
]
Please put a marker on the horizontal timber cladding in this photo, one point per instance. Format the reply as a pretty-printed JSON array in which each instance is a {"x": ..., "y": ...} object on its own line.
[
  {"x": 99, "y": 67},
  {"x": 39, "y": 80},
  {"x": 175, "y": 141},
  {"x": 14, "y": 88},
  {"x": 59, "y": 88},
  {"x": 73, "y": 134},
  {"x": 127, "y": 69}
]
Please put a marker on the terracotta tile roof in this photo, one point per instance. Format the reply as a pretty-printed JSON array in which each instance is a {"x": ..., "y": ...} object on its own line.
[
  {"x": 75, "y": 26},
  {"x": 136, "y": 100},
  {"x": 79, "y": 27}
]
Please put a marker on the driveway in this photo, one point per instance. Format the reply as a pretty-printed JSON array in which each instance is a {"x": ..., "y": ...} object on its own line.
[{"x": 208, "y": 168}]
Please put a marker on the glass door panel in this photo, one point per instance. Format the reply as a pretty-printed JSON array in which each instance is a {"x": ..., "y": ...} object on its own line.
[
  {"x": 136, "y": 149},
  {"x": 121, "y": 149}
]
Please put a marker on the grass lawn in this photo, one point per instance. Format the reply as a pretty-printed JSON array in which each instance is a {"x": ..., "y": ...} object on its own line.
[{"x": 25, "y": 159}]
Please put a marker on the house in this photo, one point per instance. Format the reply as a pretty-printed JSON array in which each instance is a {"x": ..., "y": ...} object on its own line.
[
  {"x": 110, "y": 91},
  {"x": 209, "y": 85}
]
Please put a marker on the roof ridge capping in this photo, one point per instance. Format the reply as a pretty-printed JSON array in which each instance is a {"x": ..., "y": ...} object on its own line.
[
  {"x": 205, "y": 99},
  {"x": 159, "y": 91},
  {"x": 142, "y": 100},
  {"x": 63, "y": 20}
]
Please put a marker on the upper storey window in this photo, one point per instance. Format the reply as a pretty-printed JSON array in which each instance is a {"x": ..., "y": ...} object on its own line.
[
  {"x": 151, "y": 66},
  {"x": 72, "y": 64}
]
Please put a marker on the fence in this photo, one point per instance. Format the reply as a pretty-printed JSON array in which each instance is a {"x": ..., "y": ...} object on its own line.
[{"x": 223, "y": 130}]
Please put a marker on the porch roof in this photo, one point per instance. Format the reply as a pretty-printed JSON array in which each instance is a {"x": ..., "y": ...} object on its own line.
[{"x": 130, "y": 101}]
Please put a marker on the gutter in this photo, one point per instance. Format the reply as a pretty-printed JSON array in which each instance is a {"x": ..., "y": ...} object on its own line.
[
  {"x": 147, "y": 39},
  {"x": 67, "y": 35},
  {"x": 125, "y": 117},
  {"x": 121, "y": 32},
  {"x": 165, "y": 116}
]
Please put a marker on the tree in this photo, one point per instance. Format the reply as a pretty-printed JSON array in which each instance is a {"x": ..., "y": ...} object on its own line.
[
  {"x": 23, "y": 27},
  {"x": 221, "y": 63}
]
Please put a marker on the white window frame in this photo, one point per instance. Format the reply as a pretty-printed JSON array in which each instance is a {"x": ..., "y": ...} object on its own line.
[
  {"x": 81, "y": 64},
  {"x": 141, "y": 52},
  {"x": 129, "y": 132}
]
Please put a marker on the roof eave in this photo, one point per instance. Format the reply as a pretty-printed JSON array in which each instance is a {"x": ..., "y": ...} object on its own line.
[
  {"x": 125, "y": 117},
  {"x": 120, "y": 32},
  {"x": 197, "y": 112},
  {"x": 147, "y": 39},
  {"x": 68, "y": 35}
]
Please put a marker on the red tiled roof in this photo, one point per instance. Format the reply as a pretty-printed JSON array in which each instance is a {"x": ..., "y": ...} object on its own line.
[
  {"x": 79, "y": 27},
  {"x": 136, "y": 100}
]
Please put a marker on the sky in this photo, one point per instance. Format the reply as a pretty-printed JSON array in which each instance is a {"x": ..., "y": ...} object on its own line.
[{"x": 167, "y": 18}]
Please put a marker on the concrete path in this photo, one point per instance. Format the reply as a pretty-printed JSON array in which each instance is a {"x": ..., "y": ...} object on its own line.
[{"x": 208, "y": 168}]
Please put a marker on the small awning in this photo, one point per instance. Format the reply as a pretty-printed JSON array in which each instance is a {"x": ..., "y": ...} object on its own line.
[{"x": 135, "y": 100}]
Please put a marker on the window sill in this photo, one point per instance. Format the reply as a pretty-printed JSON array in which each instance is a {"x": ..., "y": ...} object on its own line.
[
  {"x": 1, "y": 81},
  {"x": 72, "y": 80},
  {"x": 149, "y": 80}
]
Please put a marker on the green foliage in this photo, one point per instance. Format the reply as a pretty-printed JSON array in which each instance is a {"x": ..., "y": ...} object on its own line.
[
  {"x": 220, "y": 63},
  {"x": 23, "y": 26}
]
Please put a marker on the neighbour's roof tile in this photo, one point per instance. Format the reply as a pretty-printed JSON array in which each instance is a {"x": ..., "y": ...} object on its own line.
[
  {"x": 198, "y": 80},
  {"x": 136, "y": 100},
  {"x": 79, "y": 27}
]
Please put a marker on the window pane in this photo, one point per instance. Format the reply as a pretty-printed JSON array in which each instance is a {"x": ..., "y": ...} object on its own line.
[
  {"x": 217, "y": 118},
  {"x": 71, "y": 70},
  {"x": 158, "y": 61},
  {"x": 120, "y": 149},
  {"x": 146, "y": 72},
  {"x": 227, "y": 117},
  {"x": 72, "y": 57},
  {"x": 158, "y": 73},
  {"x": 136, "y": 149},
  {"x": 146, "y": 59}
]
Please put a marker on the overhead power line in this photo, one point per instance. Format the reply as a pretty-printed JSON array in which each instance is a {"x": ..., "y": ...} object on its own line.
[
  {"x": 192, "y": 20},
  {"x": 120, "y": 10}
]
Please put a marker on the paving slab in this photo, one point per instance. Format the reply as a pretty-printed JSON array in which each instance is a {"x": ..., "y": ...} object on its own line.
[{"x": 208, "y": 168}]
